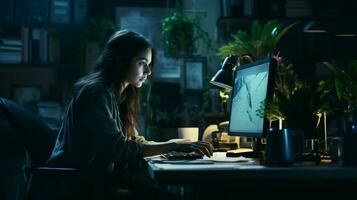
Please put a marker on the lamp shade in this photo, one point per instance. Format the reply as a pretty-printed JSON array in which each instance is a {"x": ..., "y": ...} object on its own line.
[{"x": 224, "y": 77}]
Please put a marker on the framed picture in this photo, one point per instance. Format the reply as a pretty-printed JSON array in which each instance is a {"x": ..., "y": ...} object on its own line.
[
  {"x": 167, "y": 69},
  {"x": 194, "y": 69}
]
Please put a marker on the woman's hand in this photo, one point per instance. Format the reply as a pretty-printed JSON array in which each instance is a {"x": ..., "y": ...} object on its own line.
[{"x": 203, "y": 148}]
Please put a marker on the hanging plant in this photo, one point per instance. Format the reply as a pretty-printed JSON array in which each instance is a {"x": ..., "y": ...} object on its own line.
[{"x": 180, "y": 34}]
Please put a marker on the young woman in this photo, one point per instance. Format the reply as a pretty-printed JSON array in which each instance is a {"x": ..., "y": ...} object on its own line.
[{"x": 98, "y": 131}]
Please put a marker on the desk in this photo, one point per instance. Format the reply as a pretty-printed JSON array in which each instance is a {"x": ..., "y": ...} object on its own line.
[{"x": 254, "y": 181}]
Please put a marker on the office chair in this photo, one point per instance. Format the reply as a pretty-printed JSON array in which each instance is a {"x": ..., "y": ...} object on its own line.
[{"x": 38, "y": 140}]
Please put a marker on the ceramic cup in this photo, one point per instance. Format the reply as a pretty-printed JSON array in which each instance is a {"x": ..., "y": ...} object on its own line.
[{"x": 190, "y": 133}]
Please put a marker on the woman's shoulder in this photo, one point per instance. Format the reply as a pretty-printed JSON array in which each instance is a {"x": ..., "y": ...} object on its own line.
[{"x": 94, "y": 93}]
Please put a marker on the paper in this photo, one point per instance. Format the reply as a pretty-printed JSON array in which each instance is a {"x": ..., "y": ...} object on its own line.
[
  {"x": 199, "y": 167},
  {"x": 221, "y": 157},
  {"x": 198, "y": 161}
]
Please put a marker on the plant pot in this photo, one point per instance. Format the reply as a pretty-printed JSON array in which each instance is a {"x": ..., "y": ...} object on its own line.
[{"x": 347, "y": 125}]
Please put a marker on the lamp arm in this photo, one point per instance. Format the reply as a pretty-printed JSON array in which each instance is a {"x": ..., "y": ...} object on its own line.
[{"x": 244, "y": 59}]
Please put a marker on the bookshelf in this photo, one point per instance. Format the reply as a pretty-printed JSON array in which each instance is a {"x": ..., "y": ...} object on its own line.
[{"x": 40, "y": 44}]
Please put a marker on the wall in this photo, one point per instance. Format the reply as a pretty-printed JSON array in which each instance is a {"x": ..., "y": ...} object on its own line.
[{"x": 209, "y": 13}]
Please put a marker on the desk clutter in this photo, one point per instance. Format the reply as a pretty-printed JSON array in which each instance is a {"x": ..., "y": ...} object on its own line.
[
  {"x": 195, "y": 158},
  {"x": 174, "y": 155}
]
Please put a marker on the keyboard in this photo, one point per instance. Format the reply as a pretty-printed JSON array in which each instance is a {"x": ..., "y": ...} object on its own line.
[
  {"x": 244, "y": 154},
  {"x": 174, "y": 155}
]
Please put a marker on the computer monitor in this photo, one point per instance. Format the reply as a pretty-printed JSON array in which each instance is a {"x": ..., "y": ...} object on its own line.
[{"x": 253, "y": 83}]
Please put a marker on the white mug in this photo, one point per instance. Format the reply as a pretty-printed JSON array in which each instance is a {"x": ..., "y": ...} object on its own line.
[{"x": 190, "y": 133}]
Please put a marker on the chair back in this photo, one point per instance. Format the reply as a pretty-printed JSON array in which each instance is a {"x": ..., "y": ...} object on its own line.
[{"x": 37, "y": 138}]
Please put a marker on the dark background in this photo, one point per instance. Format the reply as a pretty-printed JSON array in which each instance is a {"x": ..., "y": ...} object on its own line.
[{"x": 56, "y": 76}]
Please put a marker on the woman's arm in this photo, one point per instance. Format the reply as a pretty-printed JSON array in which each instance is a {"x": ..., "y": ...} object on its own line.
[{"x": 151, "y": 149}]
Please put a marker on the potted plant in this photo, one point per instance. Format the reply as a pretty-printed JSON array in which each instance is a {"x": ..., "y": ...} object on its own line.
[
  {"x": 344, "y": 87},
  {"x": 180, "y": 34},
  {"x": 261, "y": 42},
  {"x": 345, "y": 83},
  {"x": 287, "y": 89}
]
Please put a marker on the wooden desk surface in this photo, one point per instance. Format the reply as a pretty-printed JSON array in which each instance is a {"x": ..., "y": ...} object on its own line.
[
  {"x": 246, "y": 171},
  {"x": 250, "y": 180}
]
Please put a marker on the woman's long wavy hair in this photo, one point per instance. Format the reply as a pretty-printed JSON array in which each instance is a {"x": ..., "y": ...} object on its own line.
[{"x": 110, "y": 71}]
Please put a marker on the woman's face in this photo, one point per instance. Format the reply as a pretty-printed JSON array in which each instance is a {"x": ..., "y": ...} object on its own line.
[{"x": 140, "y": 68}]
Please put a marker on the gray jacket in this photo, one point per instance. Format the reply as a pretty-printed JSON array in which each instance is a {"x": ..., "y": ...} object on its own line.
[{"x": 91, "y": 136}]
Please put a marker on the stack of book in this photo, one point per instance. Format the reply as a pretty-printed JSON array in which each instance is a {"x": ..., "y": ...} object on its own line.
[{"x": 10, "y": 50}]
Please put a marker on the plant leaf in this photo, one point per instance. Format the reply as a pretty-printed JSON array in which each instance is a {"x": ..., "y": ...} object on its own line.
[
  {"x": 242, "y": 36},
  {"x": 282, "y": 33},
  {"x": 268, "y": 28},
  {"x": 256, "y": 30}
]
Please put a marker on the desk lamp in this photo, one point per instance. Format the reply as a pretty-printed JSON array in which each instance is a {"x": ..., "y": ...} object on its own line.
[{"x": 224, "y": 77}]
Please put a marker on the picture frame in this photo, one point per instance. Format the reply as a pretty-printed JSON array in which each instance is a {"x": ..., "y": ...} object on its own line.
[
  {"x": 167, "y": 69},
  {"x": 193, "y": 73}
]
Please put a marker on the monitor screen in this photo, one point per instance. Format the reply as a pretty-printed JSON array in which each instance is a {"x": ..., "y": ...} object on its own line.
[{"x": 251, "y": 86}]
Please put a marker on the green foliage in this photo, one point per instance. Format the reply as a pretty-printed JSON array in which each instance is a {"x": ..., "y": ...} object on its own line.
[
  {"x": 345, "y": 82},
  {"x": 290, "y": 97},
  {"x": 180, "y": 35},
  {"x": 98, "y": 28},
  {"x": 261, "y": 42},
  {"x": 294, "y": 100},
  {"x": 270, "y": 110},
  {"x": 286, "y": 80},
  {"x": 327, "y": 96}
]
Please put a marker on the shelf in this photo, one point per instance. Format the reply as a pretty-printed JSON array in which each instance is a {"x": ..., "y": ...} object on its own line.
[
  {"x": 289, "y": 9},
  {"x": 43, "y": 25},
  {"x": 55, "y": 66}
]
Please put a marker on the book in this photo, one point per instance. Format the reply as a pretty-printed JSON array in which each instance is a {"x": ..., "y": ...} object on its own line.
[
  {"x": 10, "y": 57},
  {"x": 11, "y": 41},
  {"x": 25, "y": 36},
  {"x": 61, "y": 11},
  {"x": 80, "y": 9}
]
